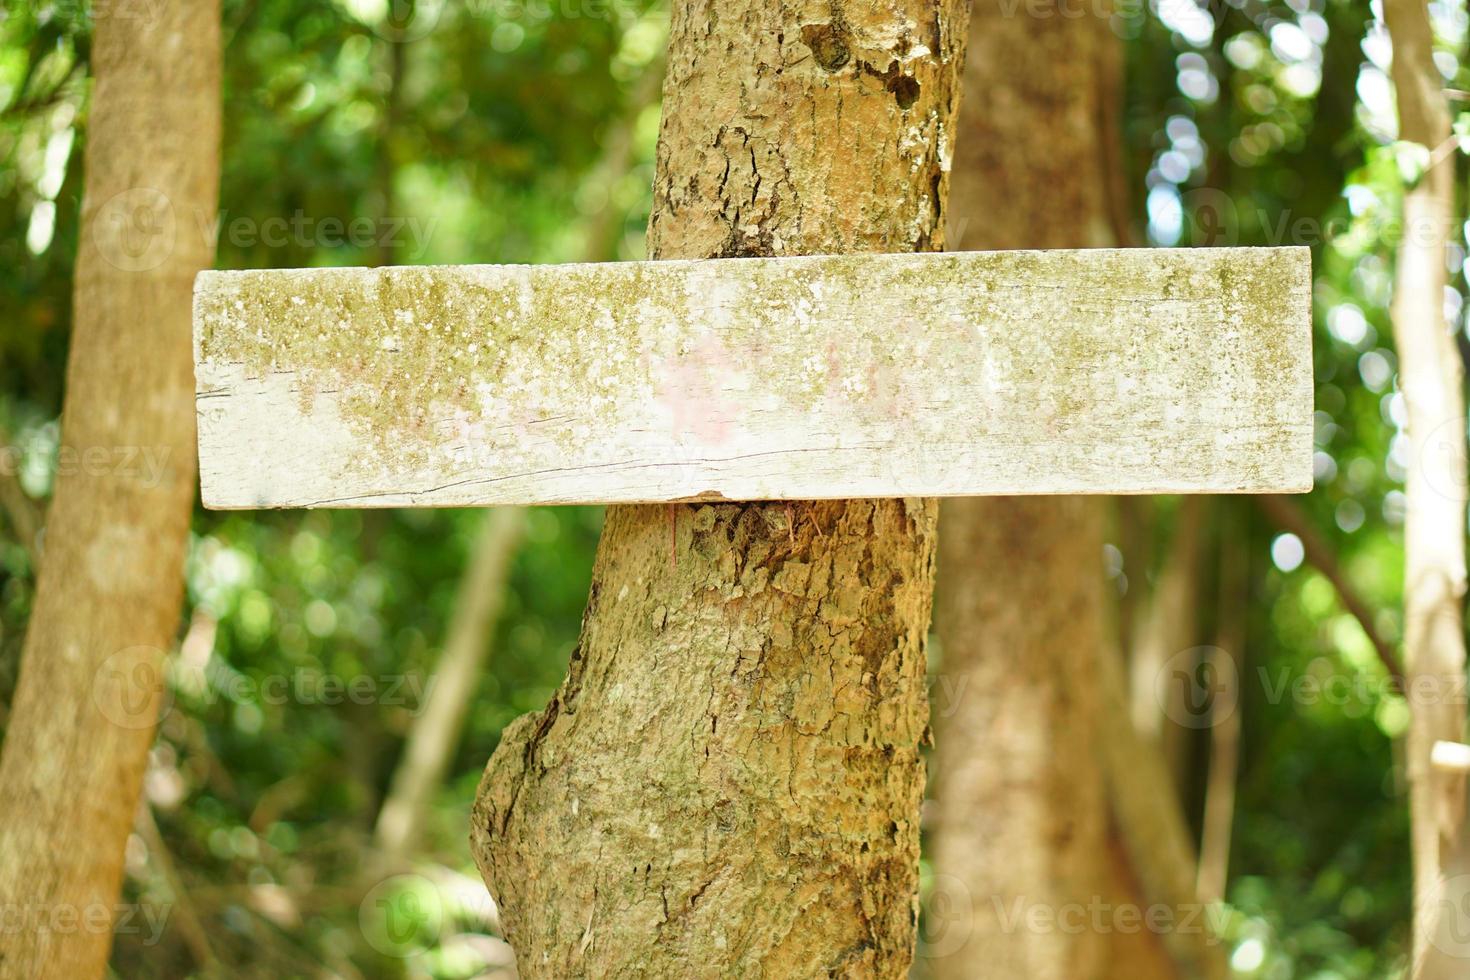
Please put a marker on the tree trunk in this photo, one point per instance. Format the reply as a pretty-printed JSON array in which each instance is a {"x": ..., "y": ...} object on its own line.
[
  {"x": 1150, "y": 823},
  {"x": 1022, "y": 817},
  {"x": 1434, "y": 529},
  {"x": 729, "y": 779},
  {"x": 107, "y": 603},
  {"x": 1141, "y": 954},
  {"x": 1021, "y": 812},
  {"x": 1022, "y": 808}
]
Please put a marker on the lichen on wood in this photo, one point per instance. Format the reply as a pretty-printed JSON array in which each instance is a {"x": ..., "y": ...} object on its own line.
[{"x": 760, "y": 378}]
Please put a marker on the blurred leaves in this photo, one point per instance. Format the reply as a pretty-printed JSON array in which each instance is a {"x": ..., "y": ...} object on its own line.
[{"x": 481, "y": 138}]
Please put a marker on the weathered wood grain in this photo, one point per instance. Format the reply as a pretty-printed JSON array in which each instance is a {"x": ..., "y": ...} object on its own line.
[{"x": 1095, "y": 371}]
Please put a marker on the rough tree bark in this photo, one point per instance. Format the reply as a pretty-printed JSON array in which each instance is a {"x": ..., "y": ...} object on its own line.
[
  {"x": 107, "y": 604},
  {"x": 729, "y": 779},
  {"x": 1430, "y": 376},
  {"x": 1021, "y": 812},
  {"x": 1022, "y": 816}
]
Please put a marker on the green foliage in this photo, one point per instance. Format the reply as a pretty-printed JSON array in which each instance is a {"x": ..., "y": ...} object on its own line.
[{"x": 477, "y": 132}]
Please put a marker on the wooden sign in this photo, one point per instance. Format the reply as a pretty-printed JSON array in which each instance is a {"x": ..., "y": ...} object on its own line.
[{"x": 1093, "y": 371}]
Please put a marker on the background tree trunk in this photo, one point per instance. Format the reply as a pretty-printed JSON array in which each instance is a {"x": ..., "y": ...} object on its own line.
[
  {"x": 1160, "y": 867},
  {"x": 730, "y": 775},
  {"x": 1022, "y": 816},
  {"x": 1021, "y": 811},
  {"x": 1217, "y": 822},
  {"x": 107, "y": 604},
  {"x": 1430, "y": 377},
  {"x": 1168, "y": 625}
]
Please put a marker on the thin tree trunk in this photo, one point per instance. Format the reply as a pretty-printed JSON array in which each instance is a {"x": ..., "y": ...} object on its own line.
[
  {"x": 1430, "y": 375},
  {"x": 1230, "y": 639},
  {"x": 729, "y": 779},
  {"x": 435, "y": 733},
  {"x": 1134, "y": 532},
  {"x": 389, "y": 133},
  {"x": 602, "y": 230},
  {"x": 1157, "y": 840},
  {"x": 183, "y": 910},
  {"x": 1140, "y": 954},
  {"x": 1021, "y": 811},
  {"x": 107, "y": 604},
  {"x": 1164, "y": 712}
]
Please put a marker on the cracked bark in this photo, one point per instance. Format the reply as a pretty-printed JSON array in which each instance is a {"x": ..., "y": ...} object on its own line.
[{"x": 729, "y": 779}]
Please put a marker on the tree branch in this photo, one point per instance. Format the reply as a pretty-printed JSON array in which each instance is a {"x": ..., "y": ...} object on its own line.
[
  {"x": 195, "y": 936},
  {"x": 436, "y": 731},
  {"x": 1287, "y": 516}
]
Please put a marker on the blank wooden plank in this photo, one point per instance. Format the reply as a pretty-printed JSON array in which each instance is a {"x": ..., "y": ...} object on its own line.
[{"x": 1098, "y": 371}]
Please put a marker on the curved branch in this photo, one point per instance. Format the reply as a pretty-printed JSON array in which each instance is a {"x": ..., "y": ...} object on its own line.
[{"x": 1289, "y": 517}]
